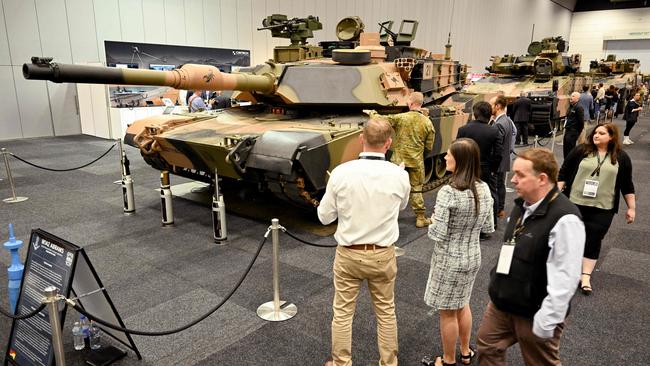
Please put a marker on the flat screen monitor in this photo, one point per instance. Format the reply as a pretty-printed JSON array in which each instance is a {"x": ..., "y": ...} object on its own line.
[
  {"x": 125, "y": 66},
  {"x": 161, "y": 67}
]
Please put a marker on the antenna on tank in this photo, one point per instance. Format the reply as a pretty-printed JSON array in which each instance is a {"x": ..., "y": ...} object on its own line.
[
  {"x": 448, "y": 45},
  {"x": 532, "y": 34}
]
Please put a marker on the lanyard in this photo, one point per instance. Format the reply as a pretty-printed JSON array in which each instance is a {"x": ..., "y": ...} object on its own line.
[
  {"x": 600, "y": 163},
  {"x": 521, "y": 225},
  {"x": 370, "y": 157}
]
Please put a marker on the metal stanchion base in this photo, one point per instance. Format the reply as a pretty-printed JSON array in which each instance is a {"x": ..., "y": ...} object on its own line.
[
  {"x": 399, "y": 251},
  {"x": 220, "y": 243},
  {"x": 15, "y": 200},
  {"x": 266, "y": 311}
]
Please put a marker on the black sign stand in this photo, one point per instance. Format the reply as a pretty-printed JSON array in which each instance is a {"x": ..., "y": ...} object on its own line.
[{"x": 52, "y": 261}]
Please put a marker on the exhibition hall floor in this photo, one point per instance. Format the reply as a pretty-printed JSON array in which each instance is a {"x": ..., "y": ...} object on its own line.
[{"x": 160, "y": 278}]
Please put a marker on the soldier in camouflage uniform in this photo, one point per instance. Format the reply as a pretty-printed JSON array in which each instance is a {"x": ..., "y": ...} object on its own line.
[{"x": 413, "y": 135}]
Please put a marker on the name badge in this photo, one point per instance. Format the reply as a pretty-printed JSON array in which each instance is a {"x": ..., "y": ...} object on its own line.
[
  {"x": 591, "y": 188},
  {"x": 505, "y": 258}
]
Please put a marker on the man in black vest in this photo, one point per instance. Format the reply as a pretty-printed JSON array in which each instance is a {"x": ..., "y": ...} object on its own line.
[
  {"x": 575, "y": 122},
  {"x": 538, "y": 269}
]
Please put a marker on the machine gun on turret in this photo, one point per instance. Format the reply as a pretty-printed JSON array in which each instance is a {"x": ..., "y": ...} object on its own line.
[{"x": 297, "y": 30}]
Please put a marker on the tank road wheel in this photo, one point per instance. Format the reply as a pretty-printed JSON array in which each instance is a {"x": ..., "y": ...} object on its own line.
[
  {"x": 434, "y": 168},
  {"x": 440, "y": 166}
]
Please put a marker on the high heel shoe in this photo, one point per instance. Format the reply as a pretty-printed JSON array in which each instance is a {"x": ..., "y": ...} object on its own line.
[
  {"x": 585, "y": 289},
  {"x": 468, "y": 359}
]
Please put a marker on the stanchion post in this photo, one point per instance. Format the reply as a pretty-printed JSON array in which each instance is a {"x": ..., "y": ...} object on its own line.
[
  {"x": 127, "y": 182},
  {"x": 166, "y": 199},
  {"x": 272, "y": 310},
  {"x": 52, "y": 300},
  {"x": 13, "y": 198},
  {"x": 15, "y": 270},
  {"x": 219, "y": 228},
  {"x": 553, "y": 141},
  {"x": 536, "y": 142}
]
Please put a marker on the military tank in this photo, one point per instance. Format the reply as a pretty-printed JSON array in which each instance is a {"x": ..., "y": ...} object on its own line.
[
  {"x": 305, "y": 114},
  {"x": 623, "y": 74},
  {"x": 546, "y": 74}
]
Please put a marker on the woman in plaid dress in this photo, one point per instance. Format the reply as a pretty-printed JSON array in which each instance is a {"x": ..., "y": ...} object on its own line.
[{"x": 463, "y": 209}]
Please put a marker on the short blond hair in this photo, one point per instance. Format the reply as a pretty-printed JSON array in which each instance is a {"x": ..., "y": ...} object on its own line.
[
  {"x": 416, "y": 98},
  {"x": 376, "y": 132}
]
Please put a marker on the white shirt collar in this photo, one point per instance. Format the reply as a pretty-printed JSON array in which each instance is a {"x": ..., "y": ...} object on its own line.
[
  {"x": 368, "y": 153},
  {"x": 531, "y": 208}
]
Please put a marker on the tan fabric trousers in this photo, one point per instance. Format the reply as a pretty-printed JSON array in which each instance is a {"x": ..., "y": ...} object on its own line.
[
  {"x": 416, "y": 178},
  {"x": 351, "y": 268},
  {"x": 500, "y": 330}
]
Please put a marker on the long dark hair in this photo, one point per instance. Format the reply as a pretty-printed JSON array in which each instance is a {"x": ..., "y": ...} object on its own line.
[
  {"x": 468, "y": 167},
  {"x": 614, "y": 146}
]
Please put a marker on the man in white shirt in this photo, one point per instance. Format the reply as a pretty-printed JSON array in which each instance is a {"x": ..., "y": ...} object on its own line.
[
  {"x": 538, "y": 268},
  {"x": 366, "y": 196}
]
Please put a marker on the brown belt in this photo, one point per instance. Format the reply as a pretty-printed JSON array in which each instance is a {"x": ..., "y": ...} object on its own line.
[{"x": 364, "y": 246}]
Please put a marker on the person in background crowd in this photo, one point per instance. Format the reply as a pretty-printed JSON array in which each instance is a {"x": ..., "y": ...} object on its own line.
[
  {"x": 615, "y": 99},
  {"x": 522, "y": 111},
  {"x": 631, "y": 115},
  {"x": 490, "y": 145},
  {"x": 599, "y": 100},
  {"x": 219, "y": 101},
  {"x": 366, "y": 196},
  {"x": 196, "y": 102},
  {"x": 538, "y": 269},
  {"x": 414, "y": 135},
  {"x": 593, "y": 176},
  {"x": 463, "y": 209},
  {"x": 643, "y": 91},
  {"x": 574, "y": 124},
  {"x": 507, "y": 133},
  {"x": 586, "y": 101},
  {"x": 609, "y": 102}
]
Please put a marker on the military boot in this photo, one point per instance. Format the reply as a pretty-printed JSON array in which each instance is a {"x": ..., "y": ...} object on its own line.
[{"x": 421, "y": 220}]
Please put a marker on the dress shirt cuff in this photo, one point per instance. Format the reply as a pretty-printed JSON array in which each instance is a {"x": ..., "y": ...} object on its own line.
[{"x": 541, "y": 330}]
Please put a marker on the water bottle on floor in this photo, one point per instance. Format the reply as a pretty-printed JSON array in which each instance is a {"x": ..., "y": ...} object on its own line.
[
  {"x": 78, "y": 336},
  {"x": 85, "y": 329},
  {"x": 95, "y": 336}
]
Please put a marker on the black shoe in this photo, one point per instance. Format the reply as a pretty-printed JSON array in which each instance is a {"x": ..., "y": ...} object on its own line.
[{"x": 484, "y": 236}]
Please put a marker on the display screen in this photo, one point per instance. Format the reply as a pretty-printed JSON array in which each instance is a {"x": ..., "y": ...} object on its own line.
[
  {"x": 161, "y": 67},
  {"x": 125, "y": 66}
]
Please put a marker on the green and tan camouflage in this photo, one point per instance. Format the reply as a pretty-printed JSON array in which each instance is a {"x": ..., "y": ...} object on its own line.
[
  {"x": 304, "y": 120},
  {"x": 546, "y": 75}
]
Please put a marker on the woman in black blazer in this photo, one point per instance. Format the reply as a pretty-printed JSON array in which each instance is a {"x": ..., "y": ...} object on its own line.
[{"x": 594, "y": 175}]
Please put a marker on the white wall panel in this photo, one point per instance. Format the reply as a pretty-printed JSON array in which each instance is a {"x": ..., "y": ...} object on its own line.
[
  {"x": 4, "y": 41},
  {"x": 107, "y": 24},
  {"x": 153, "y": 13},
  {"x": 259, "y": 50},
  {"x": 22, "y": 30},
  {"x": 590, "y": 30},
  {"x": 131, "y": 20},
  {"x": 10, "y": 126},
  {"x": 34, "y": 106},
  {"x": 175, "y": 22},
  {"x": 229, "y": 23},
  {"x": 65, "y": 118},
  {"x": 245, "y": 24},
  {"x": 194, "y": 27},
  {"x": 53, "y": 29},
  {"x": 83, "y": 35},
  {"x": 212, "y": 22}
]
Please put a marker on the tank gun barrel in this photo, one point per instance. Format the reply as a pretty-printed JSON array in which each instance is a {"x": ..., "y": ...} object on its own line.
[{"x": 188, "y": 77}]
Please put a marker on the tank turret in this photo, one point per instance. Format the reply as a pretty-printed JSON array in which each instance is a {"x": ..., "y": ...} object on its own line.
[
  {"x": 544, "y": 60},
  {"x": 305, "y": 115},
  {"x": 610, "y": 65}
]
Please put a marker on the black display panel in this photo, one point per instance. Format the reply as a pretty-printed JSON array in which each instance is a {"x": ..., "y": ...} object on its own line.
[{"x": 50, "y": 262}]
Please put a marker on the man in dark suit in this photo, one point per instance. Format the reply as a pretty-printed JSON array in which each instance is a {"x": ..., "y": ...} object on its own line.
[
  {"x": 507, "y": 134},
  {"x": 575, "y": 122},
  {"x": 521, "y": 111},
  {"x": 490, "y": 145}
]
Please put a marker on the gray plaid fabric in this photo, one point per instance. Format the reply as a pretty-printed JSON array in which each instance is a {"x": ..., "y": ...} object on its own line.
[{"x": 456, "y": 250}]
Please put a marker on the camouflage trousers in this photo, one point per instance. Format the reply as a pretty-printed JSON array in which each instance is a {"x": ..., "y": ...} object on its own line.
[{"x": 416, "y": 178}]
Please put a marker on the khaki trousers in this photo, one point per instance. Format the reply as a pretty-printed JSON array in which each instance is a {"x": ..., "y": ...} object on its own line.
[
  {"x": 416, "y": 178},
  {"x": 351, "y": 268},
  {"x": 500, "y": 330}
]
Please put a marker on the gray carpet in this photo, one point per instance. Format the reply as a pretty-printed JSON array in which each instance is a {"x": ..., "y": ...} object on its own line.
[{"x": 160, "y": 278}]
